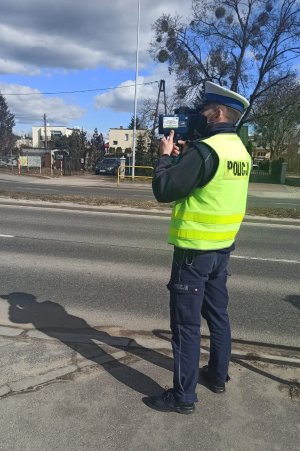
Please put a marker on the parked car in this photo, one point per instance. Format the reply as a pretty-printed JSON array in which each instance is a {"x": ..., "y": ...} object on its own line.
[
  {"x": 3, "y": 164},
  {"x": 12, "y": 162},
  {"x": 109, "y": 165}
]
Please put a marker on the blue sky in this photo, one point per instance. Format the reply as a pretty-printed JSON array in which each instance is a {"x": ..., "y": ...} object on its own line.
[
  {"x": 67, "y": 46},
  {"x": 64, "y": 45}
]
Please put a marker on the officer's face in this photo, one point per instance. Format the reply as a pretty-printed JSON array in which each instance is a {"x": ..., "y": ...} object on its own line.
[{"x": 210, "y": 112}]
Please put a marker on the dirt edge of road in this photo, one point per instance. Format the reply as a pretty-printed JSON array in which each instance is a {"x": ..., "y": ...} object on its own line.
[{"x": 292, "y": 213}]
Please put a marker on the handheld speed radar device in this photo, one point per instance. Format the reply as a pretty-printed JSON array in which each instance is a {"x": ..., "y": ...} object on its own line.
[{"x": 183, "y": 122}]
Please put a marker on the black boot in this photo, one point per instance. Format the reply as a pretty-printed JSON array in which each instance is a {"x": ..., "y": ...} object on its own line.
[
  {"x": 216, "y": 388},
  {"x": 167, "y": 403}
]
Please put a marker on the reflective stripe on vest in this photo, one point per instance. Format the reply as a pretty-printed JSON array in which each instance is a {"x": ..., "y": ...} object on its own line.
[
  {"x": 197, "y": 235},
  {"x": 207, "y": 219}
]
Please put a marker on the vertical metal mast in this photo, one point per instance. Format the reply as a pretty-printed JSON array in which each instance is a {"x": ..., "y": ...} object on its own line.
[{"x": 135, "y": 90}]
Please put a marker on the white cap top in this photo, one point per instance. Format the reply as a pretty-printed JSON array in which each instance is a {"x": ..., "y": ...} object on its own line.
[{"x": 218, "y": 94}]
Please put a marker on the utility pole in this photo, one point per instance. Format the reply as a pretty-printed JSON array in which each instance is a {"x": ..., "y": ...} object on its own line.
[
  {"x": 45, "y": 131},
  {"x": 135, "y": 91},
  {"x": 46, "y": 145},
  {"x": 162, "y": 89}
]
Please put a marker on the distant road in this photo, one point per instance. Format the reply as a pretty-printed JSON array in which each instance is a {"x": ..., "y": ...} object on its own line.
[{"x": 113, "y": 191}]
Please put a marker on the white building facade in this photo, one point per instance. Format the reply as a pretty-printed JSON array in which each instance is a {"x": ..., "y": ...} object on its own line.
[
  {"x": 122, "y": 138},
  {"x": 52, "y": 132}
]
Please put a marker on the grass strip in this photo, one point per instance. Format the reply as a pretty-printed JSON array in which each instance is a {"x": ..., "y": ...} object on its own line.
[{"x": 292, "y": 213}]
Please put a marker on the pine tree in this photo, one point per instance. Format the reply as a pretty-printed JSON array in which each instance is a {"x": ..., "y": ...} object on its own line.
[
  {"x": 146, "y": 151},
  {"x": 7, "y": 122},
  {"x": 98, "y": 144},
  {"x": 138, "y": 123},
  {"x": 141, "y": 149},
  {"x": 77, "y": 143}
]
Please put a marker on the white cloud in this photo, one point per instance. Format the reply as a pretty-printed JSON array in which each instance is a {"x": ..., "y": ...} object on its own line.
[
  {"x": 85, "y": 35},
  {"x": 29, "y": 109},
  {"x": 13, "y": 67},
  {"x": 122, "y": 99}
]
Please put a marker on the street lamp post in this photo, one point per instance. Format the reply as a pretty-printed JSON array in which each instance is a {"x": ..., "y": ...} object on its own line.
[{"x": 135, "y": 89}]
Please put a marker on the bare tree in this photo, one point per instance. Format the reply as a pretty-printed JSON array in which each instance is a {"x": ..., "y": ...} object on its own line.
[
  {"x": 147, "y": 109},
  {"x": 248, "y": 46},
  {"x": 278, "y": 118}
]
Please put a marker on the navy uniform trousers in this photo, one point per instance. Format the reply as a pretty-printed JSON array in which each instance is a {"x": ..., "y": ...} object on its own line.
[{"x": 198, "y": 287}]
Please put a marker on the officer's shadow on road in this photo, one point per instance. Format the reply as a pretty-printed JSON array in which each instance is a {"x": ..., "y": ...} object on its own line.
[
  {"x": 293, "y": 299},
  {"x": 53, "y": 320}
]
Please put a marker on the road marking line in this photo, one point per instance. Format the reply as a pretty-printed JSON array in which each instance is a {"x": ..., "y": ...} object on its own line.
[
  {"x": 269, "y": 225},
  {"x": 276, "y": 260},
  {"x": 286, "y": 203},
  {"x": 6, "y": 236}
]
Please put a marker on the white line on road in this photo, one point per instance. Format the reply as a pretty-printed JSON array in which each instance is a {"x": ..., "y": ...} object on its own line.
[
  {"x": 276, "y": 260},
  {"x": 6, "y": 236},
  {"x": 286, "y": 203},
  {"x": 269, "y": 225}
]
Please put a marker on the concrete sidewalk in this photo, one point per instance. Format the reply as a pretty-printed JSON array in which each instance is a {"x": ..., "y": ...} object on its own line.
[{"x": 78, "y": 388}]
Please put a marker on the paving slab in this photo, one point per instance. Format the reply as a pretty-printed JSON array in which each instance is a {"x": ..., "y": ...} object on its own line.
[
  {"x": 21, "y": 359},
  {"x": 32, "y": 382},
  {"x": 10, "y": 331},
  {"x": 103, "y": 410},
  {"x": 4, "y": 341}
]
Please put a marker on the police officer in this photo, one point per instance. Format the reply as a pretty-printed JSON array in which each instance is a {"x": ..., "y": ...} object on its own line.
[{"x": 209, "y": 186}]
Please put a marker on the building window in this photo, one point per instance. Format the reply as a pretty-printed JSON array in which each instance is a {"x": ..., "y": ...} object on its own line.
[
  {"x": 126, "y": 137},
  {"x": 56, "y": 134},
  {"x": 115, "y": 143}
]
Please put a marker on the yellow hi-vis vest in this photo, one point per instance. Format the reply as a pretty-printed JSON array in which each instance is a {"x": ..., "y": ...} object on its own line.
[{"x": 210, "y": 217}]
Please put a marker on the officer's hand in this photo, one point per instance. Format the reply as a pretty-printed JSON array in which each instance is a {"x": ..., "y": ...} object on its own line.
[
  {"x": 167, "y": 145},
  {"x": 182, "y": 146}
]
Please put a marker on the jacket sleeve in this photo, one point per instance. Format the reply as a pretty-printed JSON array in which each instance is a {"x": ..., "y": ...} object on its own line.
[{"x": 172, "y": 182}]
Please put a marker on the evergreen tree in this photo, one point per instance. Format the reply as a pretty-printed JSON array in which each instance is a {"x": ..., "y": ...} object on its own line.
[
  {"x": 77, "y": 144},
  {"x": 153, "y": 149},
  {"x": 141, "y": 150},
  {"x": 61, "y": 143},
  {"x": 146, "y": 150},
  {"x": 98, "y": 145},
  {"x": 7, "y": 122},
  {"x": 138, "y": 123}
]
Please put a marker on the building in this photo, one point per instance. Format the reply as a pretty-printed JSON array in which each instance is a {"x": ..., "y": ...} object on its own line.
[
  {"x": 258, "y": 151},
  {"x": 121, "y": 139},
  {"x": 23, "y": 141},
  {"x": 52, "y": 132}
]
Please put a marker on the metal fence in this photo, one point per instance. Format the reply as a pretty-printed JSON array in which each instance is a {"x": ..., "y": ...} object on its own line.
[
  {"x": 260, "y": 175},
  {"x": 140, "y": 172},
  {"x": 71, "y": 165},
  {"x": 269, "y": 172}
]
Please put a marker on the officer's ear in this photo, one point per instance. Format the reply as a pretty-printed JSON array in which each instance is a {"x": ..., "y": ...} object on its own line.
[{"x": 220, "y": 113}]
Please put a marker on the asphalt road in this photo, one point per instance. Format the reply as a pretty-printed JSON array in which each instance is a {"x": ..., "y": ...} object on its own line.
[
  {"x": 111, "y": 269},
  {"x": 24, "y": 185}
]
